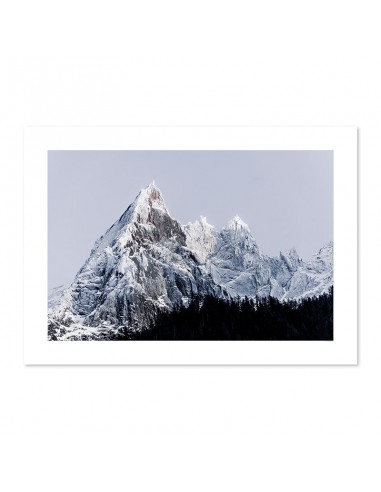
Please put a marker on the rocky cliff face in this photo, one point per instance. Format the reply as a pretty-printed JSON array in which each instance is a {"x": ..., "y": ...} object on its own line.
[{"x": 147, "y": 261}]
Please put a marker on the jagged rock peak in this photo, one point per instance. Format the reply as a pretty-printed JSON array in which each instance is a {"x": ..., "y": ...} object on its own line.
[
  {"x": 292, "y": 254},
  {"x": 237, "y": 223},
  {"x": 291, "y": 258},
  {"x": 146, "y": 206},
  {"x": 322, "y": 259},
  {"x": 147, "y": 262},
  {"x": 201, "y": 238},
  {"x": 149, "y": 198},
  {"x": 200, "y": 223}
]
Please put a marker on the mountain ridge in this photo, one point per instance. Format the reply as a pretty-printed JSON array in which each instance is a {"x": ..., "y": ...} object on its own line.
[{"x": 147, "y": 262}]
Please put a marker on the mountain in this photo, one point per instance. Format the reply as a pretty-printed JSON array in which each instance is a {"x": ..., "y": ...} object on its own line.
[{"x": 147, "y": 263}]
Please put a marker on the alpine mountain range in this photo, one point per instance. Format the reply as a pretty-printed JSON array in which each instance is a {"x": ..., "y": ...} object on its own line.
[{"x": 148, "y": 263}]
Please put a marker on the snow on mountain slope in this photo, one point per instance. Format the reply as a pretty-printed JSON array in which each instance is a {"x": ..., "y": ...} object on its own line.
[
  {"x": 201, "y": 238},
  {"x": 140, "y": 266},
  {"x": 147, "y": 261},
  {"x": 55, "y": 295},
  {"x": 236, "y": 263},
  {"x": 314, "y": 277}
]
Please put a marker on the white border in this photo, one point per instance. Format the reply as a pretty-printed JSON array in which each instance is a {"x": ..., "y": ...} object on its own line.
[{"x": 342, "y": 140}]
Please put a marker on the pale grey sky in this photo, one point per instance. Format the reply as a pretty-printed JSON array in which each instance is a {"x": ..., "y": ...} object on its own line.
[{"x": 286, "y": 197}]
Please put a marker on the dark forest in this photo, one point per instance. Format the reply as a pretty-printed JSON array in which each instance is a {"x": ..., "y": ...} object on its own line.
[{"x": 210, "y": 318}]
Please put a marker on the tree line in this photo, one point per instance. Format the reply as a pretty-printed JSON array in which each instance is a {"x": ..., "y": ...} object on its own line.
[{"x": 210, "y": 318}]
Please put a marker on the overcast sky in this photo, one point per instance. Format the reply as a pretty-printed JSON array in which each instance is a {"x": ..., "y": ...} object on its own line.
[{"x": 286, "y": 197}]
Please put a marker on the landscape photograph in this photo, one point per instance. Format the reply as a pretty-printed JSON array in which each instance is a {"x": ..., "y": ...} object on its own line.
[{"x": 190, "y": 245}]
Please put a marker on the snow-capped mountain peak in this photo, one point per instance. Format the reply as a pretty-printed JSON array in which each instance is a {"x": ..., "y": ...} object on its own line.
[
  {"x": 147, "y": 262},
  {"x": 148, "y": 207},
  {"x": 201, "y": 238},
  {"x": 148, "y": 199},
  {"x": 203, "y": 221},
  {"x": 291, "y": 259},
  {"x": 236, "y": 223},
  {"x": 322, "y": 260}
]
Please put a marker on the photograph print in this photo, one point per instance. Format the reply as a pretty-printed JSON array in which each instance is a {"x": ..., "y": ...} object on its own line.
[{"x": 190, "y": 245}]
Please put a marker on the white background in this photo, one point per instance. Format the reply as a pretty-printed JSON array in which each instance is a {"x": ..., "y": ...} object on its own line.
[
  {"x": 200, "y": 62},
  {"x": 343, "y": 142}
]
